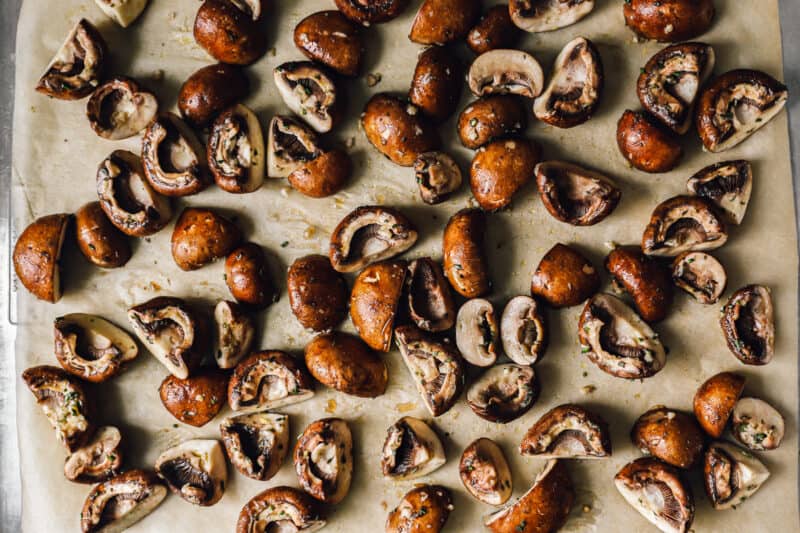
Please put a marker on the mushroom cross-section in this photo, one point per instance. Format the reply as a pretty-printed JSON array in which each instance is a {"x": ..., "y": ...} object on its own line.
[
  {"x": 748, "y": 325},
  {"x": 236, "y": 151},
  {"x": 412, "y": 449},
  {"x": 37, "y": 255},
  {"x": 280, "y": 509},
  {"x": 91, "y": 347},
  {"x": 727, "y": 184},
  {"x": 323, "y": 459},
  {"x": 174, "y": 160},
  {"x": 701, "y": 275},
  {"x": 430, "y": 302},
  {"x": 438, "y": 176},
  {"x": 119, "y": 109},
  {"x": 268, "y": 380},
  {"x": 731, "y": 475},
  {"x": 477, "y": 335},
  {"x": 123, "y": 12},
  {"x": 523, "y": 330},
  {"x": 97, "y": 461},
  {"x": 257, "y": 443},
  {"x": 195, "y": 470},
  {"x": 485, "y": 473},
  {"x": 424, "y": 508},
  {"x": 506, "y": 71},
  {"x": 309, "y": 92},
  {"x": 574, "y": 194},
  {"x": 567, "y": 431},
  {"x": 76, "y": 69},
  {"x": 503, "y": 393},
  {"x": 757, "y": 424},
  {"x": 235, "y": 333},
  {"x": 290, "y": 145},
  {"x": 547, "y": 15},
  {"x": 683, "y": 223},
  {"x": 117, "y": 504}
]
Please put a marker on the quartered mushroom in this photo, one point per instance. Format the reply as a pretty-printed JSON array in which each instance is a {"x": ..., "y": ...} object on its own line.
[
  {"x": 290, "y": 145},
  {"x": 257, "y": 443},
  {"x": 268, "y": 380},
  {"x": 331, "y": 39},
  {"x": 701, "y": 275},
  {"x": 757, "y": 424},
  {"x": 617, "y": 340},
  {"x": 731, "y": 475},
  {"x": 280, "y": 509},
  {"x": 748, "y": 325},
  {"x": 439, "y": 22},
  {"x": 369, "y": 12},
  {"x": 317, "y": 293},
  {"x": 398, "y": 129},
  {"x": 644, "y": 278},
  {"x": 230, "y": 31},
  {"x": 235, "y": 333},
  {"x": 430, "y": 302},
  {"x": 75, "y": 71},
  {"x": 506, "y": 71},
  {"x": 477, "y": 335},
  {"x": 195, "y": 470},
  {"x": 323, "y": 459},
  {"x": 547, "y": 15},
  {"x": 236, "y": 151},
  {"x": 575, "y": 87},
  {"x": 567, "y": 431},
  {"x": 564, "y": 277},
  {"x": 683, "y": 223},
  {"x": 123, "y": 12},
  {"x": 715, "y": 400},
  {"x": 345, "y": 363},
  {"x": 374, "y": 302},
  {"x": 438, "y": 176},
  {"x": 423, "y": 508},
  {"x": 523, "y": 330},
  {"x": 495, "y": 29},
  {"x": 646, "y": 144},
  {"x": 412, "y": 449},
  {"x": 503, "y": 393},
  {"x": 120, "y": 502},
  {"x": 197, "y": 399},
  {"x": 465, "y": 262},
  {"x": 490, "y": 118},
  {"x": 100, "y": 459},
  {"x": 485, "y": 473},
  {"x": 100, "y": 242},
  {"x": 673, "y": 436},
  {"x": 727, "y": 184},
  {"x": 174, "y": 160},
  {"x": 91, "y": 347},
  {"x": 574, "y": 194},
  {"x": 309, "y": 92},
  {"x": 37, "y": 256},
  {"x": 120, "y": 108}
]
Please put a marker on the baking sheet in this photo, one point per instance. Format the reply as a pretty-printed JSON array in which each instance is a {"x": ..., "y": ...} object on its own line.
[{"x": 55, "y": 159}]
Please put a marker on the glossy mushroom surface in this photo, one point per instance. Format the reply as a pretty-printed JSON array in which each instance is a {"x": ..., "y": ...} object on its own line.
[
  {"x": 506, "y": 71},
  {"x": 669, "y": 20},
  {"x": 76, "y": 69},
  {"x": 491, "y": 117},
  {"x": 120, "y": 108},
  {"x": 731, "y": 475},
  {"x": 644, "y": 278},
  {"x": 231, "y": 32},
  {"x": 564, "y": 277},
  {"x": 523, "y": 330},
  {"x": 715, "y": 399},
  {"x": 465, "y": 263},
  {"x": 757, "y": 424},
  {"x": 279, "y": 508},
  {"x": 100, "y": 242},
  {"x": 343, "y": 362},
  {"x": 368, "y": 12},
  {"x": 120, "y": 502},
  {"x": 673, "y": 436},
  {"x": 728, "y": 184},
  {"x": 370, "y": 234},
  {"x": 197, "y": 399},
  {"x": 430, "y": 302},
  {"x": 37, "y": 255},
  {"x": 503, "y": 393},
  {"x": 310, "y": 92},
  {"x": 398, "y": 129},
  {"x": 495, "y": 29},
  {"x": 748, "y": 324},
  {"x": 683, "y": 223},
  {"x": 324, "y": 176},
  {"x": 575, "y": 195},
  {"x": 374, "y": 300},
  {"x": 98, "y": 460},
  {"x": 92, "y": 348},
  {"x": 567, "y": 431},
  {"x": 537, "y": 16},
  {"x": 211, "y": 90},
  {"x": 256, "y": 444},
  {"x": 439, "y": 22},
  {"x": 195, "y": 470},
  {"x": 646, "y": 144},
  {"x": 424, "y": 508},
  {"x": 317, "y": 293},
  {"x": 412, "y": 449},
  {"x": 477, "y": 332},
  {"x": 323, "y": 459},
  {"x": 437, "y": 82},
  {"x": 485, "y": 473},
  {"x": 330, "y": 38},
  {"x": 248, "y": 276},
  {"x": 500, "y": 170},
  {"x": 268, "y": 380},
  {"x": 701, "y": 275},
  {"x": 237, "y": 155}
]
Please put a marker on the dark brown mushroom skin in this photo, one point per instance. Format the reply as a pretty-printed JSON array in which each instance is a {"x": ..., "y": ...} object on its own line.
[
  {"x": 374, "y": 302},
  {"x": 317, "y": 293},
  {"x": 248, "y": 278},
  {"x": 673, "y": 436},
  {"x": 564, "y": 277},
  {"x": 36, "y": 256},
  {"x": 398, "y": 129},
  {"x": 343, "y": 362},
  {"x": 645, "y": 144},
  {"x": 442, "y": 21},
  {"x": 715, "y": 399},
  {"x": 501, "y": 405},
  {"x": 644, "y": 278},
  {"x": 423, "y": 509},
  {"x": 495, "y": 29},
  {"x": 197, "y": 399},
  {"x": 324, "y": 175},
  {"x": 100, "y": 242},
  {"x": 436, "y": 83},
  {"x": 575, "y": 195},
  {"x": 371, "y": 11},
  {"x": 465, "y": 262},
  {"x": 54, "y": 82},
  {"x": 202, "y": 236},
  {"x": 430, "y": 303},
  {"x": 269, "y": 501},
  {"x": 500, "y": 169},
  {"x": 209, "y": 91},
  {"x": 330, "y": 38},
  {"x": 489, "y": 118},
  {"x": 229, "y": 34},
  {"x": 749, "y": 339},
  {"x": 669, "y": 20}
]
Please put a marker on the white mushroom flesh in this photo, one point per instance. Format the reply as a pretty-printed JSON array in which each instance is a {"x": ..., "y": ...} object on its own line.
[
  {"x": 411, "y": 450},
  {"x": 734, "y": 475},
  {"x": 744, "y": 108},
  {"x": 522, "y": 330},
  {"x": 757, "y": 424},
  {"x": 504, "y": 71},
  {"x": 728, "y": 185},
  {"x": 92, "y": 344},
  {"x": 168, "y": 333},
  {"x": 701, "y": 275},
  {"x": 547, "y": 15},
  {"x": 308, "y": 92},
  {"x": 476, "y": 332},
  {"x": 290, "y": 145},
  {"x": 98, "y": 459},
  {"x": 235, "y": 334},
  {"x": 196, "y": 470},
  {"x": 256, "y": 443},
  {"x": 123, "y": 12}
]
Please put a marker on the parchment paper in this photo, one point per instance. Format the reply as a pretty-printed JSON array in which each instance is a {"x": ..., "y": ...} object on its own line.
[{"x": 55, "y": 160}]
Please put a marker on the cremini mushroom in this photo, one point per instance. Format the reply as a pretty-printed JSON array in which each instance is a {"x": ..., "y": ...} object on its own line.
[
  {"x": 256, "y": 443},
  {"x": 37, "y": 256},
  {"x": 574, "y": 194},
  {"x": 210, "y": 91},
  {"x": 564, "y": 277},
  {"x": 317, "y": 293},
  {"x": 491, "y": 117},
  {"x": 715, "y": 400},
  {"x": 440, "y": 22},
  {"x": 100, "y": 459},
  {"x": 235, "y": 333},
  {"x": 495, "y": 29},
  {"x": 123, "y": 12},
  {"x": 477, "y": 332},
  {"x": 100, "y": 242},
  {"x": 412, "y": 449},
  {"x": 506, "y": 71},
  {"x": 438, "y": 176},
  {"x": 323, "y": 459},
  {"x": 523, "y": 330},
  {"x": 423, "y": 508},
  {"x": 646, "y": 144},
  {"x": 398, "y": 129},
  {"x": 120, "y": 502},
  {"x": 701, "y": 275},
  {"x": 437, "y": 82},
  {"x": 374, "y": 301},
  {"x": 485, "y": 473},
  {"x": 503, "y": 393},
  {"x": 290, "y": 144},
  {"x": 324, "y": 176},
  {"x": 430, "y": 302},
  {"x": 465, "y": 262},
  {"x": 673, "y": 436},
  {"x": 120, "y": 108},
  {"x": 343, "y": 362},
  {"x": 683, "y": 223},
  {"x": 331, "y": 39},
  {"x": 500, "y": 170},
  {"x": 547, "y": 15},
  {"x": 174, "y": 160},
  {"x": 268, "y": 380},
  {"x": 77, "y": 67},
  {"x": 277, "y": 508},
  {"x": 727, "y": 184},
  {"x": 201, "y": 236},
  {"x": 369, "y": 12},
  {"x": 567, "y": 431},
  {"x": 248, "y": 277},
  {"x": 309, "y": 92},
  {"x": 731, "y": 475},
  {"x": 644, "y": 278},
  {"x": 197, "y": 399},
  {"x": 230, "y": 31},
  {"x": 748, "y": 325},
  {"x": 669, "y": 20},
  {"x": 195, "y": 470},
  {"x": 757, "y": 424},
  {"x": 237, "y": 156},
  {"x": 91, "y": 347}
]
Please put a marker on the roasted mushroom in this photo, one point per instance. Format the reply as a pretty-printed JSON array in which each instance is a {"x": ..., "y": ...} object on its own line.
[
  {"x": 195, "y": 470},
  {"x": 323, "y": 459},
  {"x": 731, "y": 475},
  {"x": 523, "y": 330},
  {"x": 647, "y": 145},
  {"x": 256, "y": 444},
  {"x": 494, "y": 30},
  {"x": 574, "y": 194},
  {"x": 669, "y": 20},
  {"x": 100, "y": 459},
  {"x": 567, "y": 431},
  {"x": 331, "y": 39},
  {"x": 715, "y": 399},
  {"x": 477, "y": 335},
  {"x": 757, "y": 424},
  {"x": 120, "y": 502},
  {"x": 374, "y": 302},
  {"x": 683, "y": 223},
  {"x": 343, "y": 362},
  {"x": 485, "y": 473},
  {"x": 397, "y": 129},
  {"x": 701, "y": 275},
  {"x": 564, "y": 277},
  {"x": 438, "y": 176},
  {"x": 506, "y": 71},
  {"x": 500, "y": 170},
  {"x": 100, "y": 242},
  {"x": 489, "y": 118},
  {"x": 618, "y": 341},
  {"x": 317, "y": 293},
  {"x": 465, "y": 262},
  {"x": 268, "y": 380},
  {"x": 174, "y": 160},
  {"x": 672, "y": 436},
  {"x": 236, "y": 151},
  {"x": 235, "y": 333},
  {"x": 37, "y": 256},
  {"x": 412, "y": 449},
  {"x": 119, "y": 109},
  {"x": 197, "y": 399},
  {"x": 748, "y": 325},
  {"x": 123, "y": 12},
  {"x": 430, "y": 303},
  {"x": 290, "y": 144},
  {"x": 436, "y": 84},
  {"x": 369, "y": 12},
  {"x": 230, "y": 32},
  {"x": 309, "y": 92},
  {"x": 443, "y": 21},
  {"x": 727, "y": 184},
  {"x": 575, "y": 87},
  {"x": 201, "y": 236},
  {"x": 248, "y": 277},
  {"x": 503, "y": 393},
  {"x": 424, "y": 508},
  {"x": 77, "y": 67},
  {"x": 91, "y": 347},
  {"x": 279, "y": 508},
  {"x": 210, "y": 91},
  {"x": 324, "y": 176},
  {"x": 547, "y": 15},
  {"x": 644, "y": 278}
]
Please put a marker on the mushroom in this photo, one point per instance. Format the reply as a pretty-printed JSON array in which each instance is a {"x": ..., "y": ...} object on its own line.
[
  {"x": 252, "y": 8},
  {"x": 443, "y": 21},
  {"x": 683, "y": 223},
  {"x": 574, "y": 194},
  {"x": 423, "y": 508},
  {"x": 91, "y": 347},
  {"x": 248, "y": 276},
  {"x": 174, "y": 160},
  {"x": 465, "y": 263},
  {"x": 506, "y": 71},
  {"x": 236, "y": 154},
  {"x": 656, "y": 490},
  {"x": 290, "y": 144},
  {"x": 437, "y": 81},
  {"x": 669, "y": 20},
  {"x": 210, "y": 91},
  {"x": 64, "y": 402},
  {"x": 235, "y": 333},
  {"x": 412, "y": 449},
  {"x": 477, "y": 333},
  {"x": 268, "y": 380},
  {"x": 100, "y": 459},
  {"x": 257, "y": 443},
  {"x": 547, "y": 15},
  {"x": 430, "y": 303},
  {"x": 646, "y": 144},
  {"x": 120, "y": 108},
  {"x": 438, "y": 176},
  {"x": 735, "y": 105},
  {"x": 575, "y": 87},
  {"x": 369, "y": 12},
  {"x": 309, "y": 92},
  {"x": 37, "y": 256},
  {"x": 727, "y": 185},
  {"x": 76, "y": 69},
  {"x": 100, "y": 242},
  {"x": 195, "y": 470},
  {"x": 374, "y": 301},
  {"x": 644, "y": 278},
  {"x": 567, "y": 431},
  {"x": 748, "y": 325},
  {"x": 523, "y": 330},
  {"x": 495, "y": 29},
  {"x": 485, "y": 473},
  {"x": 564, "y": 277},
  {"x": 120, "y": 502},
  {"x": 280, "y": 508},
  {"x": 331, "y": 39},
  {"x": 323, "y": 459},
  {"x": 317, "y": 293},
  {"x": 715, "y": 399},
  {"x": 491, "y": 117},
  {"x": 343, "y": 362},
  {"x": 701, "y": 275},
  {"x": 731, "y": 475},
  {"x": 123, "y": 12},
  {"x": 618, "y": 341},
  {"x": 230, "y": 31},
  {"x": 503, "y": 393},
  {"x": 324, "y": 176},
  {"x": 434, "y": 365},
  {"x": 201, "y": 236},
  {"x": 397, "y": 129},
  {"x": 673, "y": 436},
  {"x": 173, "y": 332},
  {"x": 197, "y": 399},
  {"x": 370, "y": 234},
  {"x": 500, "y": 170},
  {"x": 757, "y": 424},
  {"x": 669, "y": 83},
  {"x": 127, "y": 199}
]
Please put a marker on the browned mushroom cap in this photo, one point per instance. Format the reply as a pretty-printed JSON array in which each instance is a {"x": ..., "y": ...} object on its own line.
[
  {"x": 290, "y": 144},
  {"x": 91, "y": 347},
  {"x": 494, "y": 30},
  {"x": 617, "y": 340},
  {"x": 100, "y": 242},
  {"x": 564, "y": 277},
  {"x": 574, "y": 194},
  {"x": 670, "y": 82},
  {"x": 683, "y": 223},
  {"x": 757, "y": 424},
  {"x": 317, "y": 293},
  {"x": 230, "y": 31},
  {"x": 748, "y": 325},
  {"x": 398, "y": 129},
  {"x": 370, "y": 234},
  {"x": 123, "y": 13},
  {"x": 119, "y": 109},
  {"x": 731, "y": 475},
  {"x": 501, "y": 169},
  {"x": 485, "y": 473},
  {"x": 310, "y": 92},
  {"x": 523, "y": 330},
  {"x": 236, "y": 151},
  {"x": 256, "y": 444},
  {"x": 436, "y": 84},
  {"x": 438, "y": 176},
  {"x": 646, "y": 144},
  {"x": 75, "y": 70},
  {"x": 430, "y": 303},
  {"x": 506, "y": 71},
  {"x": 544, "y": 507},
  {"x": 424, "y": 508},
  {"x": 324, "y": 176},
  {"x": 127, "y": 199},
  {"x": 37, "y": 255},
  {"x": 715, "y": 399},
  {"x": 503, "y": 393},
  {"x": 268, "y": 380},
  {"x": 64, "y": 402},
  {"x": 210, "y": 91},
  {"x": 727, "y": 184},
  {"x": 323, "y": 459},
  {"x": 235, "y": 333},
  {"x": 656, "y": 490},
  {"x": 201, "y": 236},
  {"x": 465, "y": 262},
  {"x": 646, "y": 280},
  {"x": 173, "y": 158},
  {"x": 279, "y": 508},
  {"x": 672, "y": 436},
  {"x": 489, "y": 118},
  {"x": 669, "y": 20},
  {"x": 195, "y": 470},
  {"x": 120, "y": 502},
  {"x": 331, "y": 39},
  {"x": 477, "y": 334},
  {"x": 735, "y": 105},
  {"x": 547, "y": 15},
  {"x": 411, "y": 450},
  {"x": 575, "y": 88},
  {"x": 173, "y": 332},
  {"x": 343, "y": 362},
  {"x": 443, "y": 21},
  {"x": 369, "y": 12},
  {"x": 97, "y": 461},
  {"x": 197, "y": 399},
  {"x": 701, "y": 275},
  {"x": 248, "y": 277},
  {"x": 567, "y": 431},
  {"x": 374, "y": 300}
]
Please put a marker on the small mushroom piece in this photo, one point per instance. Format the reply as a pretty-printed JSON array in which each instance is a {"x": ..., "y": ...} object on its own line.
[
  {"x": 374, "y": 302},
  {"x": 443, "y": 21},
  {"x": 64, "y": 402},
  {"x": 506, "y": 71},
  {"x": 430, "y": 303},
  {"x": 423, "y": 508},
  {"x": 368, "y": 12},
  {"x": 748, "y": 325},
  {"x": 268, "y": 380},
  {"x": 485, "y": 473},
  {"x": 647, "y": 145},
  {"x": 575, "y": 86},
  {"x": 477, "y": 335},
  {"x": 256, "y": 444},
  {"x": 37, "y": 256},
  {"x": 547, "y": 15},
  {"x": 438, "y": 176},
  {"x": 120, "y": 108},
  {"x": 323, "y": 459},
  {"x": 397, "y": 129},
  {"x": 465, "y": 262},
  {"x": 757, "y": 424},
  {"x": 280, "y": 508},
  {"x": 230, "y": 32},
  {"x": 75, "y": 71},
  {"x": 523, "y": 330},
  {"x": 656, "y": 490},
  {"x": 197, "y": 399},
  {"x": 727, "y": 184},
  {"x": 195, "y": 470},
  {"x": 317, "y": 293},
  {"x": 100, "y": 242},
  {"x": 343, "y": 362},
  {"x": 618, "y": 341},
  {"x": 248, "y": 277},
  {"x": 701, "y": 275},
  {"x": 235, "y": 333},
  {"x": 503, "y": 393},
  {"x": 201, "y": 236},
  {"x": 120, "y": 502},
  {"x": 644, "y": 278},
  {"x": 574, "y": 194},
  {"x": 331, "y": 39},
  {"x": 123, "y": 12},
  {"x": 494, "y": 30},
  {"x": 174, "y": 160},
  {"x": 564, "y": 277},
  {"x": 210, "y": 91},
  {"x": 91, "y": 347},
  {"x": 669, "y": 20},
  {"x": 731, "y": 475},
  {"x": 290, "y": 144},
  {"x": 309, "y": 92},
  {"x": 436, "y": 84},
  {"x": 489, "y": 118},
  {"x": 500, "y": 170},
  {"x": 673, "y": 436},
  {"x": 681, "y": 224},
  {"x": 670, "y": 82},
  {"x": 567, "y": 431},
  {"x": 100, "y": 459},
  {"x": 324, "y": 176},
  {"x": 236, "y": 153},
  {"x": 412, "y": 449},
  {"x": 714, "y": 401}
]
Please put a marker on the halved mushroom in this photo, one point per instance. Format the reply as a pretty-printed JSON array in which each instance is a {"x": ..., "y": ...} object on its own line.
[
  {"x": 76, "y": 69},
  {"x": 547, "y": 15},
  {"x": 490, "y": 118},
  {"x": 668, "y": 20},
  {"x": 324, "y": 176},
  {"x": 330, "y": 38},
  {"x": 574, "y": 194},
  {"x": 172, "y": 331},
  {"x": 120, "y": 108},
  {"x": 317, "y": 293},
  {"x": 64, "y": 402},
  {"x": 477, "y": 333},
  {"x": 230, "y": 32},
  {"x": 374, "y": 300},
  {"x": 523, "y": 330},
  {"x": 195, "y": 470},
  {"x": 673, "y": 436},
  {"x": 701, "y": 275},
  {"x": 646, "y": 144},
  {"x": 197, "y": 399},
  {"x": 748, "y": 325},
  {"x": 345, "y": 363},
  {"x": 37, "y": 256},
  {"x": 506, "y": 71},
  {"x": 567, "y": 431},
  {"x": 235, "y": 333},
  {"x": 323, "y": 459},
  {"x": 435, "y": 366},
  {"x": 757, "y": 424},
  {"x": 727, "y": 184},
  {"x": 617, "y": 340},
  {"x": 644, "y": 278},
  {"x": 412, "y": 449},
  {"x": 290, "y": 144},
  {"x": 438, "y": 176},
  {"x": 100, "y": 242},
  {"x": 256, "y": 444},
  {"x": 575, "y": 88},
  {"x": 100, "y": 459},
  {"x": 485, "y": 473},
  {"x": 503, "y": 393},
  {"x": 731, "y": 475},
  {"x": 398, "y": 129},
  {"x": 656, "y": 490},
  {"x": 495, "y": 29},
  {"x": 280, "y": 509},
  {"x": 439, "y": 22},
  {"x": 91, "y": 347},
  {"x": 236, "y": 154},
  {"x": 735, "y": 105},
  {"x": 368, "y": 12},
  {"x": 117, "y": 504},
  {"x": 430, "y": 302},
  {"x": 123, "y": 12},
  {"x": 715, "y": 399},
  {"x": 309, "y": 92},
  {"x": 424, "y": 508},
  {"x": 268, "y": 380},
  {"x": 465, "y": 262},
  {"x": 201, "y": 236},
  {"x": 174, "y": 160},
  {"x": 564, "y": 277},
  {"x": 683, "y": 223},
  {"x": 670, "y": 81}
]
